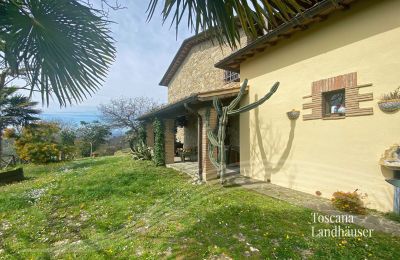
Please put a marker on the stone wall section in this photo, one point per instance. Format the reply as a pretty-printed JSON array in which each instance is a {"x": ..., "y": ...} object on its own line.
[
  {"x": 197, "y": 73},
  {"x": 169, "y": 139},
  {"x": 149, "y": 134},
  {"x": 190, "y": 139}
]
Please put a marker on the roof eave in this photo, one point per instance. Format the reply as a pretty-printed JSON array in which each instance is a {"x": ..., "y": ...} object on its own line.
[
  {"x": 206, "y": 96},
  {"x": 298, "y": 23},
  {"x": 181, "y": 55},
  {"x": 167, "y": 108}
]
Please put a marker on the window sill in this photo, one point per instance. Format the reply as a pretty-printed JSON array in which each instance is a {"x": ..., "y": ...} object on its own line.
[{"x": 333, "y": 117}]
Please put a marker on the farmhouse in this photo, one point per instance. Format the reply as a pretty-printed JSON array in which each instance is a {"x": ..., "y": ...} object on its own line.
[{"x": 324, "y": 129}]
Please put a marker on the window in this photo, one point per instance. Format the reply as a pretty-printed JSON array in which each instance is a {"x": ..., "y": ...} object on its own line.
[
  {"x": 334, "y": 103},
  {"x": 230, "y": 76},
  {"x": 336, "y": 98}
]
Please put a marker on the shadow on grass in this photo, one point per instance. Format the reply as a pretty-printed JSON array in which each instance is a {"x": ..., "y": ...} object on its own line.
[
  {"x": 282, "y": 232},
  {"x": 3, "y": 183},
  {"x": 88, "y": 162},
  {"x": 241, "y": 231}
]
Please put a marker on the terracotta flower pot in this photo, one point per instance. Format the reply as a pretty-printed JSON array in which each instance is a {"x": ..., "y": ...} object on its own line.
[
  {"x": 389, "y": 105},
  {"x": 293, "y": 115}
]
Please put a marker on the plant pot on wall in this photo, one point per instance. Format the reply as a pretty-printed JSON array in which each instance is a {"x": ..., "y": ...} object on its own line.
[
  {"x": 293, "y": 115},
  {"x": 390, "y": 102},
  {"x": 389, "y": 105}
]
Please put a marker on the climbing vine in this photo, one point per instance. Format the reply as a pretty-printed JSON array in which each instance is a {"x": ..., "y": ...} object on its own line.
[
  {"x": 159, "y": 150},
  {"x": 142, "y": 135}
]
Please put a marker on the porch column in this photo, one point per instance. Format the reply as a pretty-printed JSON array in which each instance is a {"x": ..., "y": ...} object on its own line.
[
  {"x": 169, "y": 137},
  {"x": 149, "y": 134},
  {"x": 209, "y": 171}
]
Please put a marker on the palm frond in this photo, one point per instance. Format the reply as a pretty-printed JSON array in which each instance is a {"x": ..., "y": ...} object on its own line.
[
  {"x": 65, "y": 47},
  {"x": 16, "y": 109},
  {"x": 221, "y": 17}
]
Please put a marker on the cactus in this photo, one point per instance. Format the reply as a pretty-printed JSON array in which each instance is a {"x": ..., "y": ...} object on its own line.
[{"x": 223, "y": 113}]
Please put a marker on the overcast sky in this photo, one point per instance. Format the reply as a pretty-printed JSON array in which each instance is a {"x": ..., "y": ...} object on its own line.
[{"x": 144, "y": 52}]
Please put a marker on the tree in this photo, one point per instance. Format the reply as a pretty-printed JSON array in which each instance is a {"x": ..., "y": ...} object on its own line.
[
  {"x": 41, "y": 142},
  {"x": 123, "y": 113},
  {"x": 61, "y": 48},
  {"x": 92, "y": 135},
  {"x": 67, "y": 142},
  {"x": 37, "y": 143},
  {"x": 15, "y": 110},
  {"x": 221, "y": 17}
]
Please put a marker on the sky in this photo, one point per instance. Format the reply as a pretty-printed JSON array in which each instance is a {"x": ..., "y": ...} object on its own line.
[{"x": 144, "y": 52}]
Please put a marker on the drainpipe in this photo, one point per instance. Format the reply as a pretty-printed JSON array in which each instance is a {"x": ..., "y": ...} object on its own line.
[{"x": 199, "y": 139}]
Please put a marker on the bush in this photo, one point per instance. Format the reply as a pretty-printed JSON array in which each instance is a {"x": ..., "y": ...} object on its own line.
[
  {"x": 142, "y": 152},
  {"x": 40, "y": 143},
  {"x": 393, "y": 216},
  {"x": 126, "y": 151},
  {"x": 349, "y": 202},
  {"x": 37, "y": 143}
]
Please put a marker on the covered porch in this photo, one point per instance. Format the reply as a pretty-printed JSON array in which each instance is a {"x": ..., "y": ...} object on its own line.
[
  {"x": 185, "y": 133},
  {"x": 192, "y": 169}
]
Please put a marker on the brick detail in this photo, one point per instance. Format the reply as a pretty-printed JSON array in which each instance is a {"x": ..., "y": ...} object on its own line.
[
  {"x": 353, "y": 98},
  {"x": 209, "y": 171},
  {"x": 169, "y": 138},
  {"x": 149, "y": 134}
]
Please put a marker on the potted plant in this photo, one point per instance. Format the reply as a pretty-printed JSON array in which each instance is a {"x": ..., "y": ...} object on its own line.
[
  {"x": 294, "y": 114},
  {"x": 390, "y": 102}
]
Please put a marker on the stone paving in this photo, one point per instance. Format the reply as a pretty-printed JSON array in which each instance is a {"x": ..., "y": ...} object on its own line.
[
  {"x": 190, "y": 168},
  {"x": 371, "y": 221},
  {"x": 322, "y": 205}
]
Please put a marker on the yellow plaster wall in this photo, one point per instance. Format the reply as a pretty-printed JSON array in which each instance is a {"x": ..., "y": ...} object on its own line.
[{"x": 325, "y": 155}]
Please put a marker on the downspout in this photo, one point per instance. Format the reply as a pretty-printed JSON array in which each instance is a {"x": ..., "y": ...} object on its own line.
[{"x": 199, "y": 139}]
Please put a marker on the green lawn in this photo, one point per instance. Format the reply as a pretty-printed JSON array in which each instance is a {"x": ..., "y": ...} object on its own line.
[{"x": 113, "y": 206}]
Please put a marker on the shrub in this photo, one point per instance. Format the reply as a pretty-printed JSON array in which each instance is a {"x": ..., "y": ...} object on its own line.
[
  {"x": 37, "y": 143},
  {"x": 9, "y": 133},
  {"x": 126, "y": 151},
  {"x": 142, "y": 152},
  {"x": 40, "y": 143},
  {"x": 349, "y": 202},
  {"x": 393, "y": 216}
]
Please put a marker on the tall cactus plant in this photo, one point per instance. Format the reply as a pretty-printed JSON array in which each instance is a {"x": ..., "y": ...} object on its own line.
[{"x": 223, "y": 112}]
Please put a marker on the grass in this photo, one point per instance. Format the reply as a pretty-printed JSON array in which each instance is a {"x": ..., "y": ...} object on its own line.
[
  {"x": 115, "y": 207},
  {"x": 393, "y": 216}
]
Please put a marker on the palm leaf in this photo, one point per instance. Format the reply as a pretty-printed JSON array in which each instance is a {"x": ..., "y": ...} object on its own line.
[
  {"x": 65, "y": 47},
  {"x": 221, "y": 16},
  {"x": 16, "y": 109}
]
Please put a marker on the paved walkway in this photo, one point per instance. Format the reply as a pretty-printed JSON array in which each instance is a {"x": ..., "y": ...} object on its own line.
[
  {"x": 190, "y": 168},
  {"x": 322, "y": 205}
]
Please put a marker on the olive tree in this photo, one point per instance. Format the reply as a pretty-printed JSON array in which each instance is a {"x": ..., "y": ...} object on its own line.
[{"x": 122, "y": 113}]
